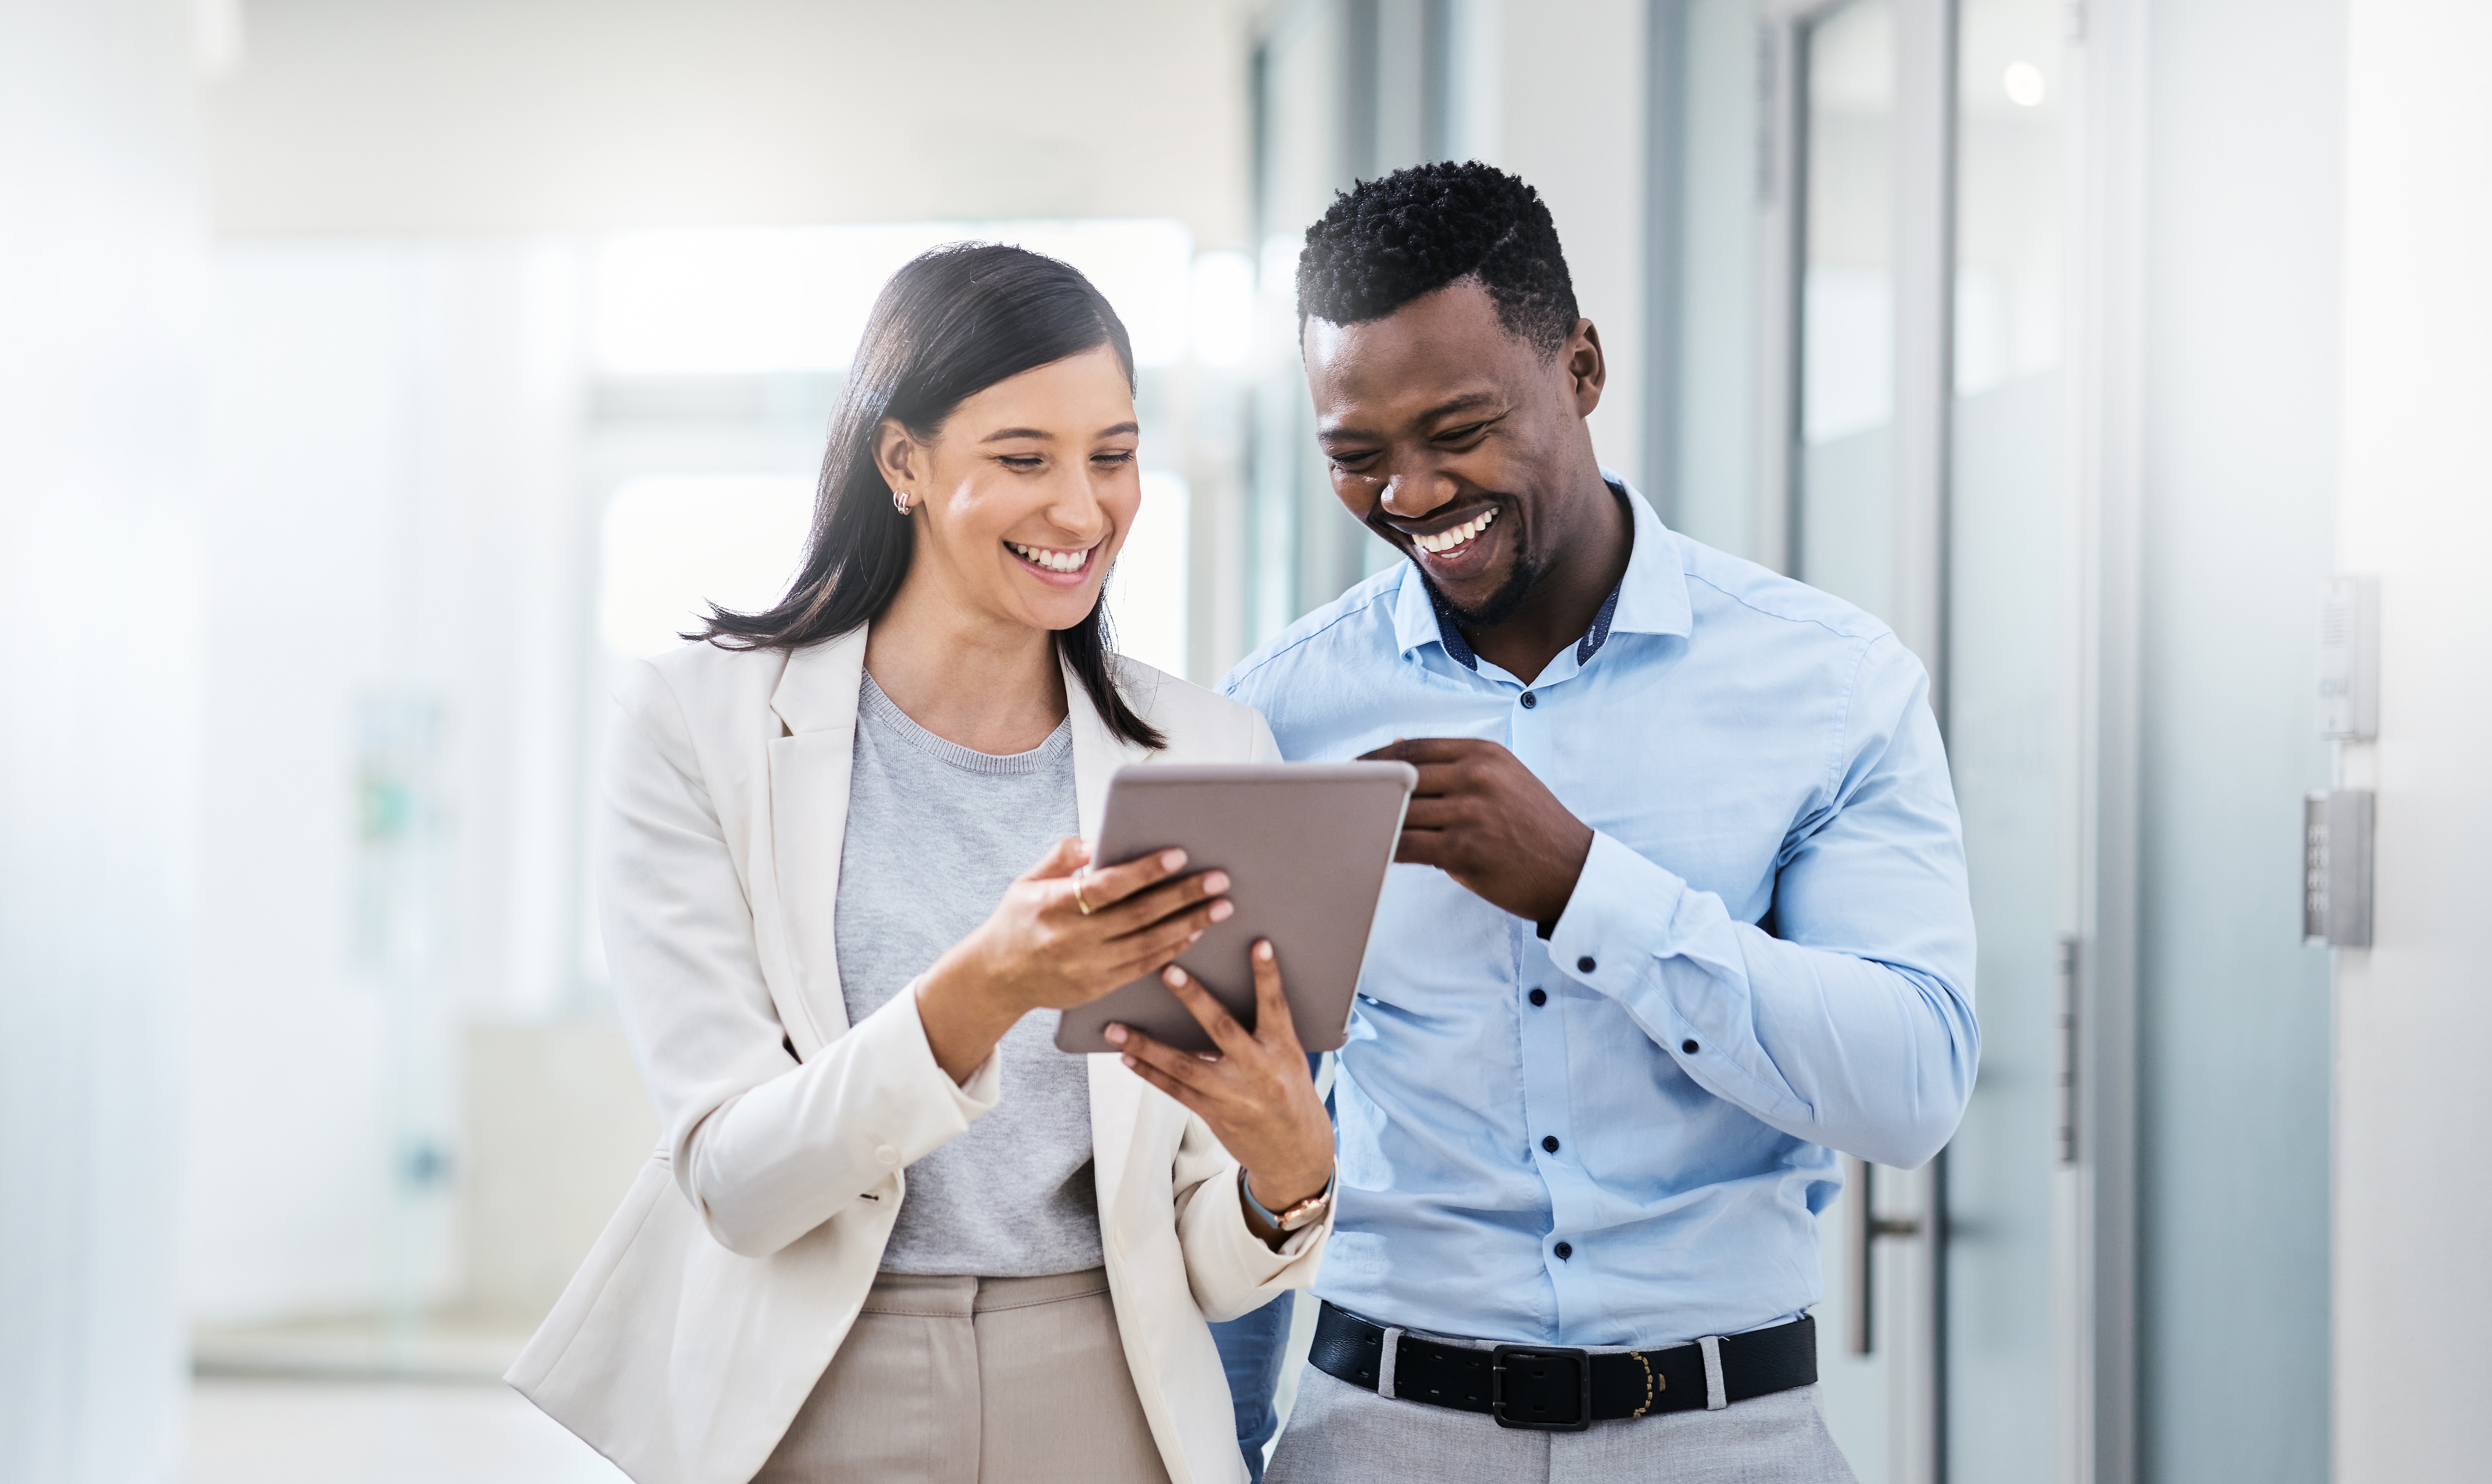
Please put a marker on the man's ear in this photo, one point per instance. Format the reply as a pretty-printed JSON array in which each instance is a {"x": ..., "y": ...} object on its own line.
[{"x": 1588, "y": 370}]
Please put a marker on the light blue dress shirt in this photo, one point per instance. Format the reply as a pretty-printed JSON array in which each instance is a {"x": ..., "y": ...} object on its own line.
[{"x": 1639, "y": 1156}]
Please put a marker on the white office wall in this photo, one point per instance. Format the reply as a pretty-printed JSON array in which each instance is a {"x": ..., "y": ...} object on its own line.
[
  {"x": 2414, "y": 1013},
  {"x": 521, "y": 115},
  {"x": 101, "y": 256}
]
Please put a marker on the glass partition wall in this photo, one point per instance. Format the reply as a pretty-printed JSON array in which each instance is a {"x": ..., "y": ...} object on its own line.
[
  {"x": 1902, "y": 216},
  {"x": 1837, "y": 203},
  {"x": 1842, "y": 528},
  {"x": 2010, "y": 581}
]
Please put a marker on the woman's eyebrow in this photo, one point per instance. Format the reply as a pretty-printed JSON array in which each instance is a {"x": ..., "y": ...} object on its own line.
[{"x": 1003, "y": 434}]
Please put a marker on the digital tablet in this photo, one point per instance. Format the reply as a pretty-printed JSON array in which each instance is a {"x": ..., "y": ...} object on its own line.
[{"x": 1305, "y": 846}]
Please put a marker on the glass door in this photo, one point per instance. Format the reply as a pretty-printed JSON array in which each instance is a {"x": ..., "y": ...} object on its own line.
[
  {"x": 1917, "y": 445},
  {"x": 1842, "y": 537},
  {"x": 2010, "y": 574},
  {"x": 1860, "y": 489}
]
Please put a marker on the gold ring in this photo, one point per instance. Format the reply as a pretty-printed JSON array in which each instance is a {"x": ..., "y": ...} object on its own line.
[{"x": 1077, "y": 899}]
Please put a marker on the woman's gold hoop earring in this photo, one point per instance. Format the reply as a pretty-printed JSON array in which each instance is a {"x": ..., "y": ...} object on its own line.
[{"x": 900, "y": 501}]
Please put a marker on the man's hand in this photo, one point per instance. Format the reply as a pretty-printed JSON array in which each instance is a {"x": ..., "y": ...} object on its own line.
[{"x": 1480, "y": 817}]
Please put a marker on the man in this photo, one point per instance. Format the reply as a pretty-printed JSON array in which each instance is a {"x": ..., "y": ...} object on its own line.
[{"x": 1681, "y": 912}]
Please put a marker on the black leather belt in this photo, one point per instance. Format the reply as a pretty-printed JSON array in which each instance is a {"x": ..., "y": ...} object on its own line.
[{"x": 1559, "y": 1388}]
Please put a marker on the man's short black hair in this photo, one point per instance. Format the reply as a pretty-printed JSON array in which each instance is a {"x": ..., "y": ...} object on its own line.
[{"x": 1387, "y": 242}]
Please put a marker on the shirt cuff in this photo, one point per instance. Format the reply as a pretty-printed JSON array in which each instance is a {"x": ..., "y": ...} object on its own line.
[
  {"x": 1617, "y": 921},
  {"x": 1671, "y": 957}
]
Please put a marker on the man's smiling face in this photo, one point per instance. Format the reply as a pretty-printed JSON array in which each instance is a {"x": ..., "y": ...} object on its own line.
[{"x": 1457, "y": 440}]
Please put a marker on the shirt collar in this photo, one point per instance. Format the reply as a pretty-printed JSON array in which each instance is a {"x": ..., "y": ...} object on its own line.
[{"x": 1650, "y": 597}]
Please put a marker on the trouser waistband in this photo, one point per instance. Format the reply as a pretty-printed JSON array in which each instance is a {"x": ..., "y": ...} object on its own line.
[{"x": 947, "y": 1295}]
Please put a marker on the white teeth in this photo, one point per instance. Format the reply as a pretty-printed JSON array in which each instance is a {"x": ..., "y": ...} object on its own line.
[
  {"x": 1446, "y": 539},
  {"x": 1050, "y": 559}
]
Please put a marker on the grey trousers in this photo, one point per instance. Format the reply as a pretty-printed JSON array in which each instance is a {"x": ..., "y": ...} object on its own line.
[
  {"x": 1338, "y": 1433},
  {"x": 974, "y": 1381}
]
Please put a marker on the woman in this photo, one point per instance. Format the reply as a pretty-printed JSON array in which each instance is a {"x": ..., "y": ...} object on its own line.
[{"x": 893, "y": 1234}]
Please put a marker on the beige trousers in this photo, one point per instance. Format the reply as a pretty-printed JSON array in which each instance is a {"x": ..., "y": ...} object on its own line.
[{"x": 974, "y": 1381}]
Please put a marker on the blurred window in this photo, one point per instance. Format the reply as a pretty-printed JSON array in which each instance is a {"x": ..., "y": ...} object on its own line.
[
  {"x": 749, "y": 300},
  {"x": 1147, "y": 590},
  {"x": 673, "y": 544}
]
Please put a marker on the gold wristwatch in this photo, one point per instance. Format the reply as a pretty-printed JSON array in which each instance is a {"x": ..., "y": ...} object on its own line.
[{"x": 1306, "y": 1213}]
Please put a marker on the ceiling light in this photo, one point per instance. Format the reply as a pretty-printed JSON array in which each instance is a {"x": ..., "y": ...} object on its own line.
[{"x": 2025, "y": 83}]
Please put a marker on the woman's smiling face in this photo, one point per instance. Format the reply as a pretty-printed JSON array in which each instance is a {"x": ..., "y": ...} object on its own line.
[{"x": 1022, "y": 497}]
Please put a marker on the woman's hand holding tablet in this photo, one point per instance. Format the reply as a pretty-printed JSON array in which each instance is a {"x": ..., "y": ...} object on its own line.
[
  {"x": 1064, "y": 934},
  {"x": 1253, "y": 1091}
]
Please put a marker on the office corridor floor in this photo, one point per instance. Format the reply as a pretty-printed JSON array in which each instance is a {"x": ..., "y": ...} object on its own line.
[{"x": 335, "y": 1432}]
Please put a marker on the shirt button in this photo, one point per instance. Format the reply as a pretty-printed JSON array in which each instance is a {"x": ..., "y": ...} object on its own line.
[
  {"x": 1564, "y": 1251},
  {"x": 1550, "y": 1144},
  {"x": 1540, "y": 996},
  {"x": 886, "y": 1153},
  {"x": 1529, "y": 701},
  {"x": 1689, "y": 1047},
  {"x": 1585, "y": 964}
]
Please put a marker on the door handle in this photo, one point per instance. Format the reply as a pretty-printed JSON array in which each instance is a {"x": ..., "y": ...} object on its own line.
[
  {"x": 1862, "y": 1229},
  {"x": 2064, "y": 1041}
]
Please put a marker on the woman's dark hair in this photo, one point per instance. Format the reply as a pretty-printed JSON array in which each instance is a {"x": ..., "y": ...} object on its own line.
[{"x": 949, "y": 325}]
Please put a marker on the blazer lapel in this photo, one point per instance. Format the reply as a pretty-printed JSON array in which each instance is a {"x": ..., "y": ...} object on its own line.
[
  {"x": 1117, "y": 1095},
  {"x": 816, "y": 702}
]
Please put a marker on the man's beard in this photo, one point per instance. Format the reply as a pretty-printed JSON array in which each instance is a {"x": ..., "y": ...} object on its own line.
[{"x": 1502, "y": 604}]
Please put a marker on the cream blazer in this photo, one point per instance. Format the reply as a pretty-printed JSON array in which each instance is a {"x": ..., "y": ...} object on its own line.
[{"x": 717, "y": 1296}]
